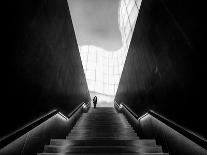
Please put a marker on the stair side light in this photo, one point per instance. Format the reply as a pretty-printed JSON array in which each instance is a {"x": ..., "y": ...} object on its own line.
[
  {"x": 84, "y": 106},
  {"x": 62, "y": 116},
  {"x": 120, "y": 106},
  {"x": 143, "y": 116}
]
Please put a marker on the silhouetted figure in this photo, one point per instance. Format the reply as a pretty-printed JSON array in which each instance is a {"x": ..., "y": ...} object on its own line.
[{"x": 94, "y": 101}]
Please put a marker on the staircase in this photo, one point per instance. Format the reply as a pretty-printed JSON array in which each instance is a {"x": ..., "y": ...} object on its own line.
[{"x": 102, "y": 131}]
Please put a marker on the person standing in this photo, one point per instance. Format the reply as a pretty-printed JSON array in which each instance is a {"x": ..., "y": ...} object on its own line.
[{"x": 94, "y": 101}]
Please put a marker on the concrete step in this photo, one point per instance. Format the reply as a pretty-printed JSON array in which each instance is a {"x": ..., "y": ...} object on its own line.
[
  {"x": 107, "y": 127},
  {"x": 103, "y": 153},
  {"x": 101, "y": 138},
  {"x": 145, "y": 142},
  {"x": 89, "y": 132},
  {"x": 103, "y": 149},
  {"x": 102, "y": 125},
  {"x": 102, "y": 121},
  {"x": 78, "y": 125},
  {"x": 102, "y": 131},
  {"x": 96, "y": 134}
]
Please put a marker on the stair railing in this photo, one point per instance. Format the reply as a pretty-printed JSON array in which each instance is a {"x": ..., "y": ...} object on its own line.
[
  {"x": 190, "y": 135},
  {"x": 18, "y": 133}
]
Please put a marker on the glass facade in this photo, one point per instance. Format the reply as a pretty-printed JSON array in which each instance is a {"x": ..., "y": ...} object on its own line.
[{"x": 103, "y": 68}]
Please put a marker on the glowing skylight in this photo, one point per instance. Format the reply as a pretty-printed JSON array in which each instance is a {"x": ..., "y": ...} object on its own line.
[{"x": 103, "y": 68}]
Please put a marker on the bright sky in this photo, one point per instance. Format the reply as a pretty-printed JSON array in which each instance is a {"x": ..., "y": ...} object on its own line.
[{"x": 96, "y": 23}]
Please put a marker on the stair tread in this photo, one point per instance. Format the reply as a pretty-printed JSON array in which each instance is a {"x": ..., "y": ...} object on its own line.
[
  {"x": 104, "y": 142},
  {"x": 104, "y": 149},
  {"x": 103, "y": 153},
  {"x": 105, "y": 146},
  {"x": 102, "y": 131}
]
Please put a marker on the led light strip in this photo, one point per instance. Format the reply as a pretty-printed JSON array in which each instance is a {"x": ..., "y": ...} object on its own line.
[
  {"x": 143, "y": 116},
  {"x": 62, "y": 115}
]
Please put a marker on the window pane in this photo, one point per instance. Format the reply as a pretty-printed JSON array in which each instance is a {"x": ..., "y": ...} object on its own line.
[
  {"x": 111, "y": 90},
  {"x": 106, "y": 79},
  {"x": 125, "y": 19},
  {"x": 106, "y": 88},
  {"x": 84, "y": 49},
  {"x": 116, "y": 70},
  {"x": 84, "y": 65},
  {"x": 127, "y": 1},
  {"x": 127, "y": 29},
  {"x": 92, "y": 57},
  {"x": 105, "y": 62},
  {"x": 106, "y": 69},
  {"x": 110, "y": 61},
  {"x": 115, "y": 88},
  {"x": 133, "y": 15},
  {"x": 124, "y": 13},
  {"x": 91, "y": 85},
  {"x": 90, "y": 75},
  {"x": 122, "y": 4},
  {"x": 116, "y": 79},
  {"x": 99, "y": 87},
  {"x": 91, "y": 65},
  {"x": 121, "y": 68},
  {"x": 110, "y": 70},
  {"x": 130, "y": 6},
  {"x": 111, "y": 79},
  {"x": 83, "y": 55},
  {"x": 129, "y": 38}
]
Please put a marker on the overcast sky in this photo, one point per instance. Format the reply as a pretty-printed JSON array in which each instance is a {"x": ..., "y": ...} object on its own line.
[{"x": 96, "y": 23}]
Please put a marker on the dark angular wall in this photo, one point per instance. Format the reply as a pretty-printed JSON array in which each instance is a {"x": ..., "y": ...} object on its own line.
[
  {"x": 42, "y": 63},
  {"x": 165, "y": 69}
]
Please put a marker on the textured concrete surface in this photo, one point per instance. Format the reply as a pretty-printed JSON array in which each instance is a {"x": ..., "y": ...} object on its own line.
[
  {"x": 42, "y": 63},
  {"x": 165, "y": 67}
]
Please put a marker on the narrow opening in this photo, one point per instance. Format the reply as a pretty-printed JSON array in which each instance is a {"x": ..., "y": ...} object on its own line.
[{"x": 103, "y": 67}]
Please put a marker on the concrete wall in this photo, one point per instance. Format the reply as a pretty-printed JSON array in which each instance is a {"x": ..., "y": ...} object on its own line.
[
  {"x": 165, "y": 68},
  {"x": 172, "y": 142},
  {"x": 43, "y": 69},
  {"x": 33, "y": 142}
]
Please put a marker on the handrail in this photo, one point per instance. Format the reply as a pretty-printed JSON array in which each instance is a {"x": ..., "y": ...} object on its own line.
[
  {"x": 195, "y": 138},
  {"x": 78, "y": 107},
  {"x": 18, "y": 133},
  {"x": 133, "y": 113},
  {"x": 190, "y": 135}
]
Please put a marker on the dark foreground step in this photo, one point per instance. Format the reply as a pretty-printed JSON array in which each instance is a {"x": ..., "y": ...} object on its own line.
[
  {"x": 101, "y": 138},
  {"x": 102, "y": 122},
  {"x": 102, "y": 127},
  {"x": 103, "y": 149},
  {"x": 103, "y": 154},
  {"x": 105, "y": 129},
  {"x": 145, "y": 142},
  {"x": 101, "y": 134}
]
